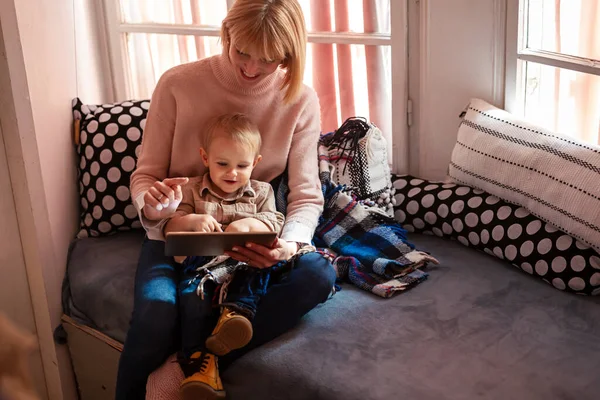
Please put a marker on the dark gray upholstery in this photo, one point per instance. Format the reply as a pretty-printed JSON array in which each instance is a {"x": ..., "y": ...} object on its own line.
[{"x": 478, "y": 328}]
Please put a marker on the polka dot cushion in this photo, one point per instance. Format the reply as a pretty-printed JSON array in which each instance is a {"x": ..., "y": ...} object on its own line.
[
  {"x": 484, "y": 222},
  {"x": 109, "y": 142}
]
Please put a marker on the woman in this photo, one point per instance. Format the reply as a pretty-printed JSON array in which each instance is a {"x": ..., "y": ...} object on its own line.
[{"x": 259, "y": 74}]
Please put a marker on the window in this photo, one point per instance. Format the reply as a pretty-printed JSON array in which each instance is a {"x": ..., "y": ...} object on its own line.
[
  {"x": 353, "y": 49},
  {"x": 553, "y": 65}
]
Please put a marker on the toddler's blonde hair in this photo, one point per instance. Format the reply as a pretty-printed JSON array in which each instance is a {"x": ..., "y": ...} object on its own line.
[{"x": 237, "y": 127}]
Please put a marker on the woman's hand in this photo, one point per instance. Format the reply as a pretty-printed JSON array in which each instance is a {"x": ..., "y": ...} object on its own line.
[
  {"x": 163, "y": 198},
  {"x": 259, "y": 256}
]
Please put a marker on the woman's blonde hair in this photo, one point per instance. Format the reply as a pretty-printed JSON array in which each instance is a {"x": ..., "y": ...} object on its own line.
[
  {"x": 237, "y": 127},
  {"x": 273, "y": 28}
]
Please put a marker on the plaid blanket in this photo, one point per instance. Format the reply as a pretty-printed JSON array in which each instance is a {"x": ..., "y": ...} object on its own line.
[{"x": 366, "y": 246}]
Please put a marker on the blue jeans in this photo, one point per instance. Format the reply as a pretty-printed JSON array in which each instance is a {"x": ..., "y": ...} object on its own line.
[{"x": 155, "y": 332}]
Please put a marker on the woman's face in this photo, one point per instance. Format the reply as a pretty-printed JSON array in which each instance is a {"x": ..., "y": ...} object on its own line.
[{"x": 250, "y": 69}]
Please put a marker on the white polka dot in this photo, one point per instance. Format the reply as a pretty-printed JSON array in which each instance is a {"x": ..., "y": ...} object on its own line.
[
  {"x": 478, "y": 191},
  {"x": 595, "y": 262},
  {"x": 492, "y": 200},
  {"x": 130, "y": 212},
  {"x": 128, "y": 163},
  {"x": 581, "y": 246},
  {"x": 458, "y": 206},
  {"x": 541, "y": 267},
  {"x": 143, "y": 124},
  {"x": 488, "y": 251},
  {"x": 104, "y": 117},
  {"x": 462, "y": 190},
  {"x": 83, "y": 137},
  {"x": 438, "y": 232},
  {"x": 98, "y": 140},
  {"x": 124, "y": 119},
  {"x": 527, "y": 248},
  {"x": 427, "y": 200},
  {"x": 485, "y": 236},
  {"x": 413, "y": 192},
  {"x": 104, "y": 227},
  {"x": 443, "y": 210},
  {"x": 472, "y": 220},
  {"x": 416, "y": 182},
  {"x": 559, "y": 284},
  {"x": 444, "y": 194},
  {"x": 527, "y": 268},
  {"x": 80, "y": 188},
  {"x": 97, "y": 212},
  {"x": 431, "y": 218},
  {"x": 108, "y": 202},
  {"x": 116, "y": 110},
  {"x": 76, "y": 115},
  {"x": 105, "y": 156},
  {"x": 474, "y": 238},
  {"x": 120, "y": 145},
  {"x": 89, "y": 152},
  {"x": 448, "y": 185},
  {"x": 126, "y": 104},
  {"x": 487, "y": 216},
  {"x": 475, "y": 202},
  {"x": 550, "y": 228},
  {"x": 498, "y": 252},
  {"x": 564, "y": 242},
  {"x": 544, "y": 246},
  {"x": 85, "y": 109},
  {"x": 117, "y": 219},
  {"x": 577, "y": 284},
  {"x": 134, "y": 135},
  {"x": 400, "y": 216},
  {"x": 112, "y": 129},
  {"x": 514, "y": 231},
  {"x": 577, "y": 263},
  {"x": 457, "y": 225},
  {"x": 595, "y": 279},
  {"x": 85, "y": 178},
  {"x": 431, "y": 187},
  {"x": 447, "y": 228},
  {"x": 88, "y": 220},
  {"x": 400, "y": 198},
  {"x": 101, "y": 184},
  {"x": 91, "y": 195},
  {"x": 95, "y": 168},
  {"x": 412, "y": 207},
  {"x": 559, "y": 264},
  {"x": 135, "y": 111},
  {"x": 418, "y": 223},
  {"x": 504, "y": 212},
  {"x": 92, "y": 126},
  {"x": 521, "y": 212},
  {"x": 498, "y": 233},
  {"x": 138, "y": 150},
  {"x": 107, "y": 105},
  {"x": 145, "y": 105},
  {"x": 511, "y": 252},
  {"x": 84, "y": 203},
  {"x": 533, "y": 227},
  {"x": 114, "y": 174},
  {"x": 409, "y": 228},
  {"x": 94, "y": 233},
  {"x": 463, "y": 240}
]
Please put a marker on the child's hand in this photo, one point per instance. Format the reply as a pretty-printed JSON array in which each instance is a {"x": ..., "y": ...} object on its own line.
[
  {"x": 247, "y": 225},
  {"x": 163, "y": 198},
  {"x": 203, "y": 223}
]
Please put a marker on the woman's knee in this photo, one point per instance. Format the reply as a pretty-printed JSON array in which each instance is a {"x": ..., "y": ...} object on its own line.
[{"x": 317, "y": 271}]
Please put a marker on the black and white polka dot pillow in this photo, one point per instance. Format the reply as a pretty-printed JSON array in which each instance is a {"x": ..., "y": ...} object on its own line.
[
  {"x": 109, "y": 143},
  {"x": 482, "y": 221}
]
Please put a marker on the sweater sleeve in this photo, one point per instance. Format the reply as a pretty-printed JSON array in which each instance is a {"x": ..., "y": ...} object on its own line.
[{"x": 305, "y": 199}]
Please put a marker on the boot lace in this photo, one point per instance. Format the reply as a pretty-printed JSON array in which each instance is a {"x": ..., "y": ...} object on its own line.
[{"x": 191, "y": 365}]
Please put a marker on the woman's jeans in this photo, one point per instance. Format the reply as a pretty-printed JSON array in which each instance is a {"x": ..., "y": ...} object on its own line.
[{"x": 155, "y": 331}]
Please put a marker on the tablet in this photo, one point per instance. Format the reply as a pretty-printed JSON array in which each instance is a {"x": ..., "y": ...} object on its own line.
[{"x": 212, "y": 243}]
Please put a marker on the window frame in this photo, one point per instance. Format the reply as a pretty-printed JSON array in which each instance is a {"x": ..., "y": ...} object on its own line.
[
  {"x": 518, "y": 54},
  {"x": 397, "y": 39}
]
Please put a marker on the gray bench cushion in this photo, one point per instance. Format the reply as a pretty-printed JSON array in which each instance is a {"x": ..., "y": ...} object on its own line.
[{"x": 477, "y": 328}]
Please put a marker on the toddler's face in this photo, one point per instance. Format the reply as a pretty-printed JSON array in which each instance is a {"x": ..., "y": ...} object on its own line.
[{"x": 230, "y": 164}]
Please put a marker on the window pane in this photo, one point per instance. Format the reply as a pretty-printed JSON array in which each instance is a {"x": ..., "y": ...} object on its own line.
[
  {"x": 149, "y": 55},
  {"x": 360, "y": 16},
  {"x": 565, "y": 26},
  {"x": 189, "y": 12},
  {"x": 564, "y": 101}
]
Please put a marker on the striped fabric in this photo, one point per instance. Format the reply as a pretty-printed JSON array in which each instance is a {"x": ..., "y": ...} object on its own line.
[{"x": 555, "y": 177}]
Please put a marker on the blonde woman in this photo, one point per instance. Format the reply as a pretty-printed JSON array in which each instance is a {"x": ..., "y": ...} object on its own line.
[{"x": 259, "y": 74}]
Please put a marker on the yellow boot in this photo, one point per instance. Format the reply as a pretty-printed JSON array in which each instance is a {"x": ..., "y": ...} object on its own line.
[
  {"x": 203, "y": 381},
  {"x": 233, "y": 331}
]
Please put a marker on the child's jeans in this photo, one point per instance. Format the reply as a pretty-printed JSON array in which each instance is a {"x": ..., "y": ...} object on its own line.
[{"x": 246, "y": 289}]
